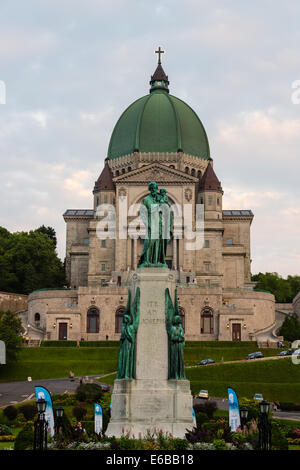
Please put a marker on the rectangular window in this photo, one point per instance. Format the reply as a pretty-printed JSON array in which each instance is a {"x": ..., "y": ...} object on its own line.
[
  {"x": 210, "y": 200},
  {"x": 103, "y": 243},
  {"x": 86, "y": 241},
  {"x": 207, "y": 267},
  {"x": 229, "y": 241},
  {"x": 105, "y": 199},
  {"x": 218, "y": 201},
  {"x": 206, "y": 243},
  {"x": 102, "y": 267}
]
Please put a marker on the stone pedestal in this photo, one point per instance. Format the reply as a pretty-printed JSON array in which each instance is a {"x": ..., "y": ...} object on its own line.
[{"x": 151, "y": 400}]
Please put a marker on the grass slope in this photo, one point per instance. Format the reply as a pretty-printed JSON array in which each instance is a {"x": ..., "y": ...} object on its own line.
[
  {"x": 49, "y": 363},
  {"x": 276, "y": 380}
]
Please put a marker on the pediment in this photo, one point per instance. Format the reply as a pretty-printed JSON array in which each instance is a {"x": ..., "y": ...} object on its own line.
[{"x": 158, "y": 172}]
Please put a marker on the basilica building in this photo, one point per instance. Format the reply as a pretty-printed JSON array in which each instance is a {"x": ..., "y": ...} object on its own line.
[{"x": 157, "y": 138}]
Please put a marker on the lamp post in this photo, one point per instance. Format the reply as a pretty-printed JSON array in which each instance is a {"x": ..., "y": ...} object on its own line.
[
  {"x": 264, "y": 426},
  {"x": 40, "y": 427},
  {"x": 244, "y": 415},
  {"x": 59, "y": 412}
]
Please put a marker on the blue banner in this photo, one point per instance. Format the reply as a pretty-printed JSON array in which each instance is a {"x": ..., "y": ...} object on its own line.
[
  {"x": 42, "y": 392},
  {"x": 194, "y": 419},
  {"x": 98, "y": 418},
  {"x": 234, "y": 410}
]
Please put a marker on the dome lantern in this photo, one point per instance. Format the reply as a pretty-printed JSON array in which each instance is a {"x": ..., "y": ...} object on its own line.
[{"x": 159, "y": 80}]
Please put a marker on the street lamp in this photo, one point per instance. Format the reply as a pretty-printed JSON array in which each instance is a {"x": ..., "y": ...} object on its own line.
[
  {"x": 40, "y": 427},
  {"x": 264, "y": 426},
  {"x": 264, "y": 407},
  {"x": 244, "y": 415},
  {"x": 59, "y": 412}
]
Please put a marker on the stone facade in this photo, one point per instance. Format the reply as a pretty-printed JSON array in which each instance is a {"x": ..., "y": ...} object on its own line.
[{"x": 215, "y": 292}]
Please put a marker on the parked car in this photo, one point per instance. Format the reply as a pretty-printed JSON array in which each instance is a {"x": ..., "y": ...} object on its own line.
[
  {"x": 105, "y": 388},
  {"x": 203, "y": 394},
  {"x": 285, "y": 353},
  {"x": 258, "y": 397},
  {"x": 255, "y": 355},
  {"x": 204, "y": 362}
]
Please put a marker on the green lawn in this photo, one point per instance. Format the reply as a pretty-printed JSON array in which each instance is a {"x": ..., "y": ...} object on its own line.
[
  {"x": 56, "y": 362},
  {"x": 276, "y": 380},
  {"x": 47, "y": 363}
]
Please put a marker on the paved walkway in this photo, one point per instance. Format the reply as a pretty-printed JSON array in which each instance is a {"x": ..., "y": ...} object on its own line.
[{"x": 16, "y": 392}]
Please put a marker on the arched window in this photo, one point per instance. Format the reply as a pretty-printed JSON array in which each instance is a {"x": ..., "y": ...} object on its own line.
[
  {"x": 129, "y": 168},
  {"x": 207, "y": 321},
  {"x": 193, "y": 171},
  {"x": 182, "y": 316},
  {"x": 117, "y": 173},
  {"x": 123, "y": 171},
  {"x": 119, "y": 319},
  {"x": 37, "y": 317},
  {"x": 93, "y": 320},
  {"x": 187, "y": 169},
  {"x": 199, "y": 174},
  {"x": 172, "y": 166}
]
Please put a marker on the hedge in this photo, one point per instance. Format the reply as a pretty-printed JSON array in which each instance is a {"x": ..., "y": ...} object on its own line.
[{"x": 83, "y": 344}]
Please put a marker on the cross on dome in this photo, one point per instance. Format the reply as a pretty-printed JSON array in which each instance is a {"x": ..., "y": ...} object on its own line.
[{"x": 159, "y": 52}]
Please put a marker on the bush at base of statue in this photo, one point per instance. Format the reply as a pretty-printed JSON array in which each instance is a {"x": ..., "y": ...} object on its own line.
[
  {"x": 24, "y": 440},
  {"x": 90, "y": 393},
  {"x": 29, "y": 412},
  {"x": 10, "y": 412}
]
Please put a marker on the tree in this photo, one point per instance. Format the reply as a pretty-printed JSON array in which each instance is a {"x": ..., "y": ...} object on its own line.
[
  {"x": 284, "y": 290},
  {"x": 28, "y": 261},
  {"x": 49, "y": 231},
  {"x": 290, "y": 328},
  {"x": 10, "y": 332}
]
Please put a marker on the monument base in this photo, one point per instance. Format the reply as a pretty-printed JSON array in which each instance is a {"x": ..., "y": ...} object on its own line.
[{"x": 140, "y": 406}]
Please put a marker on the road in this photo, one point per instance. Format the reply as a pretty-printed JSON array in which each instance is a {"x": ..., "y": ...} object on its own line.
[
  {"x": 222, "y": 404},
  {"x": 16, "y": 392}
]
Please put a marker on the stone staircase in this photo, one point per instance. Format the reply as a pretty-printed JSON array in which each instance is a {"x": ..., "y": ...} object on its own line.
[{"x": 33, "y": 343}]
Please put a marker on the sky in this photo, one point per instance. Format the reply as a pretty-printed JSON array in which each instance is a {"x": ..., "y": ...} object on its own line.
[{"x": 70, "y": 68}]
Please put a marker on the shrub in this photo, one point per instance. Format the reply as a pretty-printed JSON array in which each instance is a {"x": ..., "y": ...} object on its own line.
[
  {"x": 5, "y": 430},
  {"x": 91, "y": 393},
  {"x": 253, "y": 407},
  {"x": 179, "y": 444},
  {"x": 24, "y": 440},
  {"x": 279, "y": 441},
  {"x": 10, "y": 412},
  {"x": 64, "y": 399},
  {"x": 79, "y": 412},
  {"x": 29, "y": 412},
  {"x": 89, "y": 426},
  {"x": 219, "y": 444},
  {"x": 201, "y": 418},
  {"x": 209, "y": 407}
]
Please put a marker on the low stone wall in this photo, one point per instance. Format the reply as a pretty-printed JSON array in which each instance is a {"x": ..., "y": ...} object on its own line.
[{"x": 13, "y": 302}]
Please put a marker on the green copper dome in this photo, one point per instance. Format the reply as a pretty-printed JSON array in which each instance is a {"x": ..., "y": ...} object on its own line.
[{"x": 159, "y": 122}]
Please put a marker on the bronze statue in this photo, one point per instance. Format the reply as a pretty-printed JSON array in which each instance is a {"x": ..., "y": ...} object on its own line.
[
  {"x": 176, "y": 338},
  {"x": 154, "y": 208},
  {"x": 127, "y": 353}
]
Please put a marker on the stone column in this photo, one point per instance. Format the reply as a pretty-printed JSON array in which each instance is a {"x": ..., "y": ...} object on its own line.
[
  {"x": 174, "y": 253},
  {"x": 135, "y": 260},
  {"x": 151, "y": 400}
]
